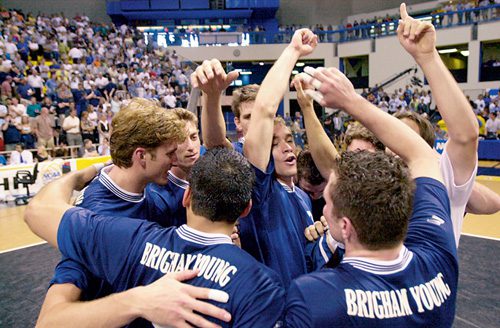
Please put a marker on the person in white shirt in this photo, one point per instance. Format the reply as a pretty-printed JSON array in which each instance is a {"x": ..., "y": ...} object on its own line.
[
  {"x": 71, "y": 125},
  {"x": 21, "y": 156},
  {"x": 170, "y": 100},
  {"x": 492, "y": 126},
  {"x": 76, "y": 54}
]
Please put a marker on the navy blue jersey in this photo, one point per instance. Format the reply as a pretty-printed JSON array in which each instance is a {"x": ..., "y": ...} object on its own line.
[
  {"x": 273, "y": 232},
  {"x": 418, "y": 289},
  {"x": 143, "y": 251},
  {"x": 166, "y": 201},
  {"x": 238, "y": 146},
  {"x": 103, "y": 196}
]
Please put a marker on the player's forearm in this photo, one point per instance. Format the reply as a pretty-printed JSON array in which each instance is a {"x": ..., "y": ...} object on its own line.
[
  {"x": 322, "y": 149},
  {"x": 393, "y": 133},
  {"x": 45, "y": 210},
  {"x": 483, "y": 200},
  {"x": 450, "y": 100},
  {"x": 213, "y": 126},
  {"x": 116, "y": 310},
  {"x": 275, "y": 83},
  {"x": 258, "y": 140}
]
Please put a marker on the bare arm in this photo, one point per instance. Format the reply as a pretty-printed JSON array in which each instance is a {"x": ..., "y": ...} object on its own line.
[
  {"x": 483, "y": 200},
  {"x": 46, "y": 209},
  {"x": 258, "y": 140},
  {"x": 322, "y": 149},
  {"x": 166, "y": 301},
  {"x": 212, "y": 80},
  {"x": 338, "y": 92},
  {"x": 419, "y": 40}
]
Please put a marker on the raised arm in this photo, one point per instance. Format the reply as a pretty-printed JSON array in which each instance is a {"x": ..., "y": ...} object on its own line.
[
  {"x": 338, "y": 92},
  {"x": 418, "y": 38},
  {"x": 258, "y": 140},
  {"x": 46, "y": 209},
  {"x": 211, "y": 79},
  {"x": 322, "y": 149}
]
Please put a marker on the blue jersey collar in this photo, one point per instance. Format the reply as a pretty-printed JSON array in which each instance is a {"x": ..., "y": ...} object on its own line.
[
  {"x": 106, "y": 180},
  {"x": 381, "y": 267},
  {"x": 203, "y": 238},
  {"x": 286, "y": 187},
  {"x": 177, "y": 181}
]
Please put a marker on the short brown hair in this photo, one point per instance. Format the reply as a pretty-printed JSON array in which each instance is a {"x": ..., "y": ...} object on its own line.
[
  {"x": 424, "y": 126},
  {"x": 307, "y": 170},
  {"x": 358, "y": 131},
  {"x": 241, "y": 95},
  {"x": 375, "y": 191},
  {"x": 142, "y": 123},
  {"x": 185, "y": 115}
]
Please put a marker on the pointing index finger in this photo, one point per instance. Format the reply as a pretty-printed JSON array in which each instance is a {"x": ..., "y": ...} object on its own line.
[{"x": 402, "y": 11}]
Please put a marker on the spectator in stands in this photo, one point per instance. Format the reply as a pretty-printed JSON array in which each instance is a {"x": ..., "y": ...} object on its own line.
[
  {"x": 492, "y": 126},
  {"x": 44, "y": 129},
  {"x": 27, "y": 137},
  {"x": 103, "y": 148},
  {"x": 103, "y": 128},
  {"x": 42, "y": 154},
  {"x": 20, "y": 155},
  {"x": 71, "y": 126},
  {"x": 11, "y": 132},
  {"x": 88, "y": 149},
  {"x": 6, "y": 88}
]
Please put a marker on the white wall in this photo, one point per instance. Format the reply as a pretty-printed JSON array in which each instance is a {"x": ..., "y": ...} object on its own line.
[{"x": 387, "y": 60}]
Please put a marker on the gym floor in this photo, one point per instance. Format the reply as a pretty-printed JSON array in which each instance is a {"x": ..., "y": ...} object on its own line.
[{"x": 27, "y": 263}]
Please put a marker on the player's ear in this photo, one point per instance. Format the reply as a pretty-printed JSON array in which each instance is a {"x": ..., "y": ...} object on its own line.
[
  {"x": 247, "y": 209},
  {"x": 186, "y": 198}
]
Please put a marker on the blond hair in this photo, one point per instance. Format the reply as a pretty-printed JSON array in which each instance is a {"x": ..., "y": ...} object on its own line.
[{"x": 142, "y": 123}]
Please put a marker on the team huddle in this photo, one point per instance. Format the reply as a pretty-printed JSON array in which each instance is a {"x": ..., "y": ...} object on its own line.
[{"x": 175, "y": 233}]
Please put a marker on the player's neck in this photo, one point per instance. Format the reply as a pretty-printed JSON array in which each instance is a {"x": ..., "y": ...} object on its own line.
[
  {"x": 126, "y": 179},
  {"x": 180, "y": 172},
  {"x": 387, "y": 254},
  {"x": 286, "y": 180},
  {"x": 203, "y": 224}
]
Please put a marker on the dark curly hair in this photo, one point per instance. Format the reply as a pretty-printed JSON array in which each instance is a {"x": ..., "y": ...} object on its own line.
[
  {"x": 307, "y": 170},
  {"x": 221, "y": 184},
  {"x": 375, "y": 191}
]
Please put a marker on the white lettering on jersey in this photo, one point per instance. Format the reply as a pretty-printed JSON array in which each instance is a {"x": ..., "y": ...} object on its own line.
[
  {"x": 394, "y": 303},
  {"x": 211, "y": 268}
]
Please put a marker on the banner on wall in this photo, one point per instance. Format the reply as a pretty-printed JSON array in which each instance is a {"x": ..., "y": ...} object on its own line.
[{"x": 47, "y": 172}]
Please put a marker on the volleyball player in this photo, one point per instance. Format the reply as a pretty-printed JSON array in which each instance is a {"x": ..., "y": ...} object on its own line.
[
  {"x": 143, "y": 145},
  {"x": 397, "y": 270},
  {"x": 128, "y": 253}
]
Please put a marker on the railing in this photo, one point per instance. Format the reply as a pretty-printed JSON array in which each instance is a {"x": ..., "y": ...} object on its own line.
[{"x": 360, "y": 32}]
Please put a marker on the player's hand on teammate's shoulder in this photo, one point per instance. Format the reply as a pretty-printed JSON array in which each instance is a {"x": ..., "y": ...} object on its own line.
[
  {"x": 169, "y": 302},
  {"x": 417, "y": 37},
  {"x": 211, "y": 78},
  {"x": 316, "y": 230}
]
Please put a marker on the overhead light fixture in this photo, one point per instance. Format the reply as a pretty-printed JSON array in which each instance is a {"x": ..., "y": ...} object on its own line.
[
  {"x": 295, "y": 72},
  {"x": 465, "y": 53},
  {"x": 447, "y": 51},
  {"x": 300, "y": 64},
  {"x": 261, "y": 64},
  {"x": 245, "y": 73}
]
